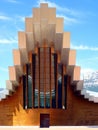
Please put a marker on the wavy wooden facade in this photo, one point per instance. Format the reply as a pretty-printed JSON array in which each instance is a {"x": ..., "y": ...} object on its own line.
[{"x": 44, "y": 86}]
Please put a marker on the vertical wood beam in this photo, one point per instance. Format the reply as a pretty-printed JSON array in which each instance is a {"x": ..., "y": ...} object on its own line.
[
  {"x": 44, "y": 77},
  {"x": 33, "y": 77},
  {"x": 24, "y": 91},
  {"x": 63, "y": 93},
  {"x": 66, "y": 84},
  {"x": 65, "y": 80},
  {"x": 39, "y": 77},
  {"x": 27, "y": 84},
  {"x": 56, "y": 80},
  {"x": 50, "y": 77}
]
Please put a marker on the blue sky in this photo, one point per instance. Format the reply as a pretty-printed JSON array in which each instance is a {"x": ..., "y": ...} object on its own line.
[{"x": 81, "y": 19}]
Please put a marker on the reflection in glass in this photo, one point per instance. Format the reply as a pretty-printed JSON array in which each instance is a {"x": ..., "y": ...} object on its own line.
[
  {"x": 60, "y": 69},
  {"x": 48, "y": 100},
  {"x": 41, "y": 100},
  {"x": 29, "y": 91},
  {"x": 36, "y": 98},
  {"x": 60, "y": 92}
]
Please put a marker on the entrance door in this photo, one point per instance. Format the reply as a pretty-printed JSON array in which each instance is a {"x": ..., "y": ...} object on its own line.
[{"x": 44, "y": 120}]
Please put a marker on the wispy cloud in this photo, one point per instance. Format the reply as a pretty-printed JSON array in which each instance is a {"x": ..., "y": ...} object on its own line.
[
  {"x": 8, "y": 41},
  {"x": 82, "y": 47},
  {"x": 59, "y": 8},
  {"x": 3, "y": 69},
  {"x": 20, "y": 18},
  {"x": 69, "y": 15},
  {"x": 4, "y": 17},
  {"x": 68, "y": 20},
  {"x": 13, "y": 1}
]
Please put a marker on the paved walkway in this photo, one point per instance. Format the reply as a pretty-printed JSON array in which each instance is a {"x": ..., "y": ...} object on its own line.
[{"x": 50, "y": 128}]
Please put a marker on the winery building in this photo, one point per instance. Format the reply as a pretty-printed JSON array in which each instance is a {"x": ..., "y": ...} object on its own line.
[{"x": 44, "y": 87}]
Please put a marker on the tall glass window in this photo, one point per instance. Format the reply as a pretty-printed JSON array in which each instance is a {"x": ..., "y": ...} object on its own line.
[{"x": 42, "y": 84}]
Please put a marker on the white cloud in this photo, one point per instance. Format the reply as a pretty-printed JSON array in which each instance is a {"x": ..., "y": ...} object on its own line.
[
  {"x": 68, "y": 20},
  {"x": 82, "y": 47},
  {"x": 3, "y": 69},
  {"x": 8, "y": 41},
  {"x": 3, "y": 17},
  {"x": 13, "y": 1},
  {"x": 20, "y": 18}
]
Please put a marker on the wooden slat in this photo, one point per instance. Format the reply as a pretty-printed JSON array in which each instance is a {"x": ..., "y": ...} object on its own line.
[
  {"x": 63, "y": 93},
  {"x": 27, "y": 85},
  {"x": 56, "y": 81},
  {"x": 44, "y": 77},
  {"x": 33, "y": 77},
  {"x": 66, "y": 84},
  {"x": 50, "y": 79},
  {"x": 24, "y": 90},
  {"x": 39, "y": 77},
  {"x": 31, "y": 74}
]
